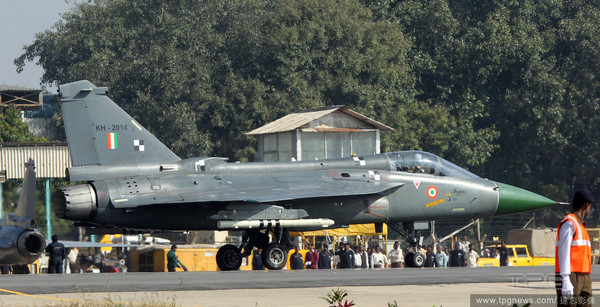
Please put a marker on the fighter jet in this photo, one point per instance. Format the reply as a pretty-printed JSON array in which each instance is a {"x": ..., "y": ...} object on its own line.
[
  {"x": 20, "y": 241},
  {"x": 133, "y": 181}
]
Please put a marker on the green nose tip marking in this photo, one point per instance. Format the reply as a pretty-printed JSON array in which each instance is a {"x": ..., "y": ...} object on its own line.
[{"x": 512, "y": 199}]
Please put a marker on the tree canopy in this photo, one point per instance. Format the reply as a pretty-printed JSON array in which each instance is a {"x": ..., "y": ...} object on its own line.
[
  {"x": 13, "y": 129},
  {"x": 507, "y": 89}
]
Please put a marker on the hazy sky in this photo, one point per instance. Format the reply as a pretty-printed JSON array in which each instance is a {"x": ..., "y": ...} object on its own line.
[{"x": 20, "y": 21}]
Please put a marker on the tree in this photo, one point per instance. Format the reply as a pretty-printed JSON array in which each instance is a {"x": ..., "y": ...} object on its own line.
[
  {"x": 524, "y": 75},
  {"x": 13, "y": 129},
  {"x": 201, "y": 74}
]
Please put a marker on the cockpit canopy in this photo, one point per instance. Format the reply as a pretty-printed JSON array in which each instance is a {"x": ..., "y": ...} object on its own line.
[{"x": 426, "y": 163}]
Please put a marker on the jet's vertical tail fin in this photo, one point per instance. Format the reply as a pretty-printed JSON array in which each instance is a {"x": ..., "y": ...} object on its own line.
[
  {"x": 99, "y": 132},
  {"x": 26, "y": 204}
]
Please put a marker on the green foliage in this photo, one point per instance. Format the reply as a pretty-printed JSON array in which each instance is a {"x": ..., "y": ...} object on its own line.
[
  {"x": 200, "y": 78},
  {"x": 521, "y": 77},
  {"x": 13, "y": 129}
]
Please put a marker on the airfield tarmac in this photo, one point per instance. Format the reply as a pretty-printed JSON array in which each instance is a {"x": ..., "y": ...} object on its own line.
[{"x": 375, "y": 287}]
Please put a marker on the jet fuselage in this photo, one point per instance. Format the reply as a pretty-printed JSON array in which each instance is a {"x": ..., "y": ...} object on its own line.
[{"x": 194, "y": 194}]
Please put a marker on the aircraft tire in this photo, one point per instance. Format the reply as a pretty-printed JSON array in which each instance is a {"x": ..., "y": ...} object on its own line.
[
  {"x": 229, "y": 258},
  {"x": 274, "y": 257},
  {"x": 418, "y": 260}
]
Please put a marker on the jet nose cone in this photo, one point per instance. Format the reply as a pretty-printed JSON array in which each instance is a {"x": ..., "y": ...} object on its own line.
[{"x": 512, "y": 199}]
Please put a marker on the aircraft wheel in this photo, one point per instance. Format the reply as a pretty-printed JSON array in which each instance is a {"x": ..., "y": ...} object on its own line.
[
  {"x": 229, "y": 258},
  {"x": 418, "y": 260},
  {"x": 274, "y": 257}
]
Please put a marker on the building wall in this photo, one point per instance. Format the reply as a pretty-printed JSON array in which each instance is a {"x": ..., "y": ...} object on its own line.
[{"x": 51, "y": 160}]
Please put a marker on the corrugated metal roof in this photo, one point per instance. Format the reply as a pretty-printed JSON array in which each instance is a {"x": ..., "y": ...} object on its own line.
[
  {"x": 51, "y": 159},
  {"x": 14, "y": 88},
  {"x": 298, "y": 119}
]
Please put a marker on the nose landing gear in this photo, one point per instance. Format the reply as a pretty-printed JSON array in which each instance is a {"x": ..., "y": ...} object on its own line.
[{"x": 412, "y": 257}]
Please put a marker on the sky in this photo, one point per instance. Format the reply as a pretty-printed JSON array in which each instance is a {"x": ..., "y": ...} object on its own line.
[{"x": 20, "y": 21}]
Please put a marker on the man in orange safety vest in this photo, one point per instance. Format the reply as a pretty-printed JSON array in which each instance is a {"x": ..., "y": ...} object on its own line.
[{"x": 574, "y": 255}]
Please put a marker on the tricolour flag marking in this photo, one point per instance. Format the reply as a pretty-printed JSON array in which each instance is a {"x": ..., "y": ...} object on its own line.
[{"x": 112, "y": 140}]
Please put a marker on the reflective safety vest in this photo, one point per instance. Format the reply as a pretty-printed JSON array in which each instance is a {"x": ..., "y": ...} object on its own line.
[{"x": 581, "y": 247}]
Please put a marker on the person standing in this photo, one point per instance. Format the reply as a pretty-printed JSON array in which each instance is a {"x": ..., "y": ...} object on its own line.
[
  {"x": 311, "y": 258},
  {"x": 396, "y": 256},
  {"x": 346, "y": 257},
  {"x": 574, "y": 255},
  {"x": 378, "y": 259},
  {"x": 472, "y": 257},
  {"x": 457, "y": 256},
  {"x": 464, "y": 245},
  {"x": 325, "y": 258},
  {"x": 362, "y": 257},
  {"x": 257, "y": 264},
  {"x": 172, "y": 261},
  {"x": 296, "y": 262},
  {"x": 503, "y": 253},
  {"x": 72, "y": 256},
  {"x": 429, "y": 257},
  {"x": 441, "y": 259},
  {"x": 56, "y": 252}
]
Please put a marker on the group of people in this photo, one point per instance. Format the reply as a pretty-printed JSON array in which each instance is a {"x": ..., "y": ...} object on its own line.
[
  {"x": 57, "y": 254},
  {"x": 359, "y": 257},
  {"x": 461, "y": 256}
]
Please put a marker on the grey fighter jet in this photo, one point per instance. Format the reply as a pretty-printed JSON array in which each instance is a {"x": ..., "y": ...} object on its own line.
[
  {"x": 133, "y": 181},
  {"x": 20, "y": 241}
]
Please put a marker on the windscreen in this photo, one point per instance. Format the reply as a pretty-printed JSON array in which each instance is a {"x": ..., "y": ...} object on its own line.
[{"x": 426, "y": 163}]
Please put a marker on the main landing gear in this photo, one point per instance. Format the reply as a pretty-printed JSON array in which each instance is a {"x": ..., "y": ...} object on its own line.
[
  {"x": 412, "y": 256},
  {"x": 274, "y": 254}
]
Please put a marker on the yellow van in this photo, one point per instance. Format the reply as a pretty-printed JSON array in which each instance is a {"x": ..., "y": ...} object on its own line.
[{"x": 518, "y": 255}]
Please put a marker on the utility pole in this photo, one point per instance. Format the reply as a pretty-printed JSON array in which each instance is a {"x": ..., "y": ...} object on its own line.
[
  {"x": 479, "y": 234},
  {"x": 2, "y": 180},
  {"x": 48, "y": 217},
  {"x": 1, "y": 199}
]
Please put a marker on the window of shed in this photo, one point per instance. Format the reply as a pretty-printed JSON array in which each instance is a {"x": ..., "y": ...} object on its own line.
[
  {"x": 363, "y": 143},
  {"x": 313, "y": 145},
  {"x": 338, "y": 145},
  {"x": 277, "y": 147},
  {"x": 284, "y": 143},
  {"x": 270, "y": 143},
  {"x": 332, "y": 145}
]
